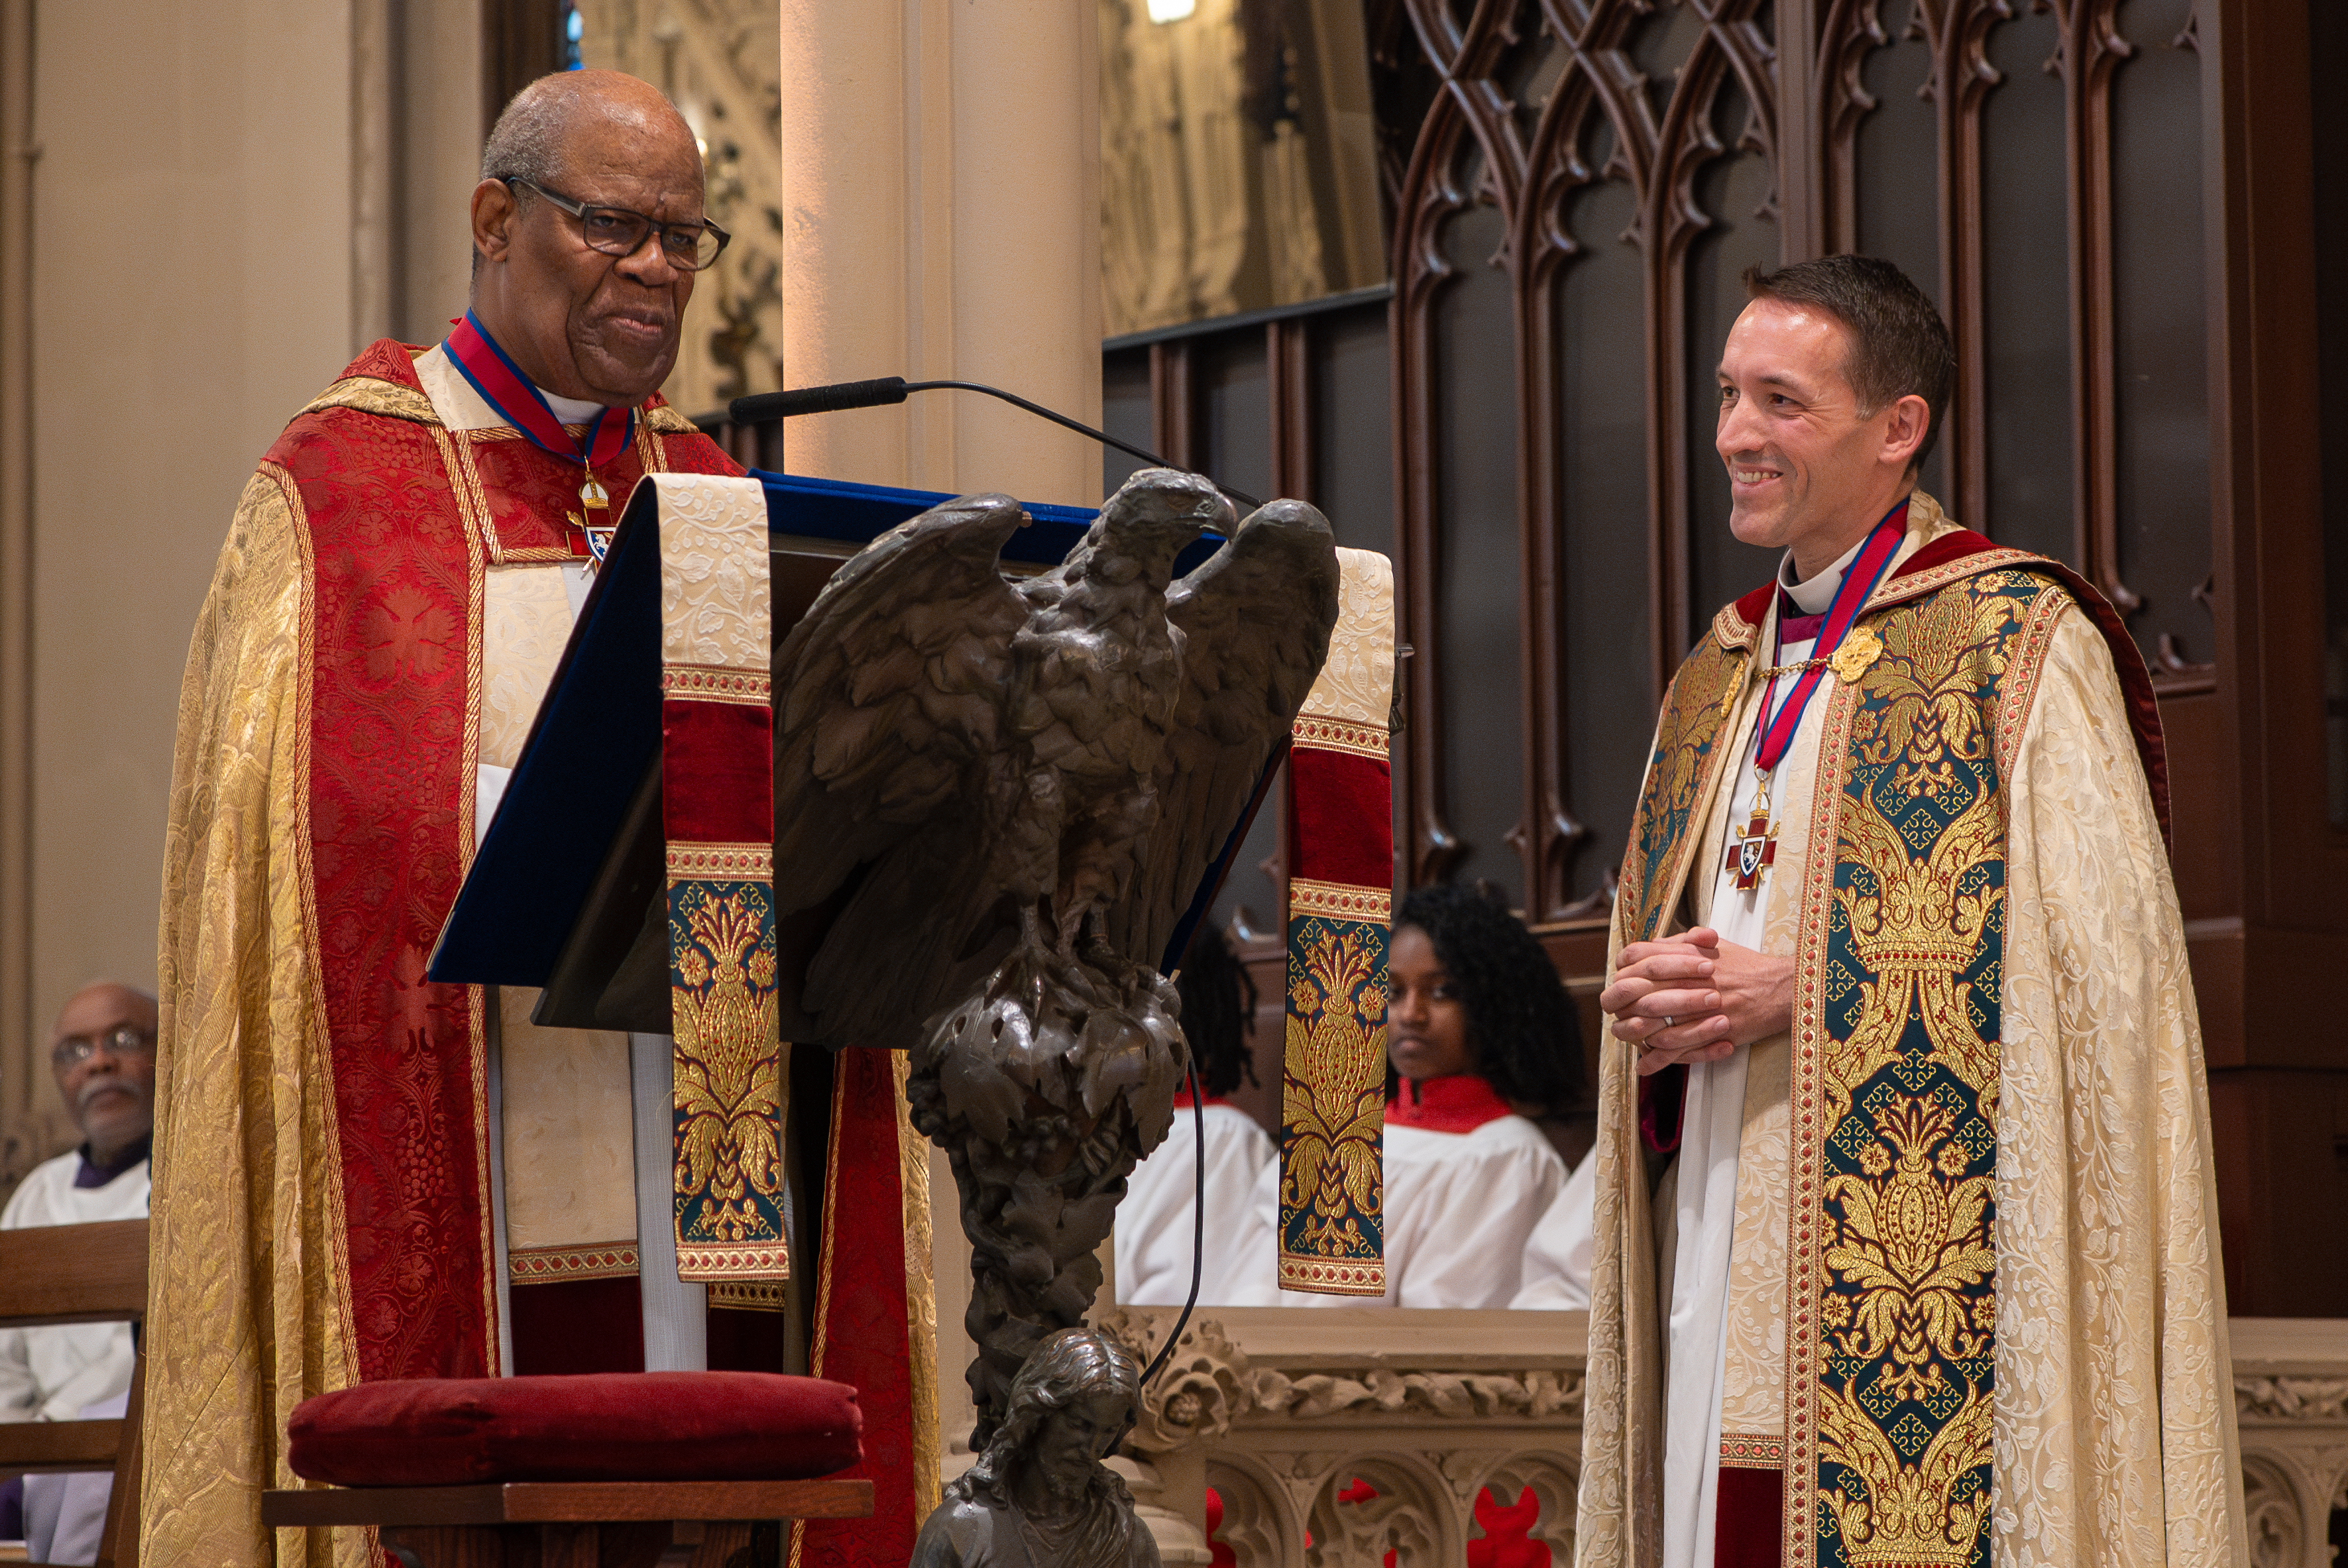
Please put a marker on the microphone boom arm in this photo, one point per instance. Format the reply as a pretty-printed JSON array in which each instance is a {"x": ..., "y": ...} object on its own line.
[{"x": 890, "y": 389}]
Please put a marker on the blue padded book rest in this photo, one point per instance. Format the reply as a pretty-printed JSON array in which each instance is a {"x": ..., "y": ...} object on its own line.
[{"x": 563, "y": 891}]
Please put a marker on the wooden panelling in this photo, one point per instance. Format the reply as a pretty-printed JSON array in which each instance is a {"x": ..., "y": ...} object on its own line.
[
  {"x": 521, "y": 40},
  {"x": 1230, "y": 374},
  {"x": 1126, "y": 413},
  {"x": 2024, "y": 338}
]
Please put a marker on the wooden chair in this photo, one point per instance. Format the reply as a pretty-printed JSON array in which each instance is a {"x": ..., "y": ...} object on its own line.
[
  {"x": 80, "y": 1273},
  {"x": 567, "y": 1524}
]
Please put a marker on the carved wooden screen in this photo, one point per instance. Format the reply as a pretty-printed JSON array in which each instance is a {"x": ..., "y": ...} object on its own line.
[
  {"x": 2110, "y": 201},
  {"x": 1598, "y": 175}
]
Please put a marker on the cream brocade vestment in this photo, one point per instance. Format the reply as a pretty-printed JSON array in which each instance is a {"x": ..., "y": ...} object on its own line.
[{"x": 2109, "y": 1437}]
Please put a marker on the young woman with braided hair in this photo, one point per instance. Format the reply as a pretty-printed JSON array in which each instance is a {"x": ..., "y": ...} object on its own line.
[{"x": 1481, "y": 1037}]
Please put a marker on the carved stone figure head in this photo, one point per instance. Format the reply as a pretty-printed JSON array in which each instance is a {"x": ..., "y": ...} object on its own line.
[
  {"x": 1039, "y": 1493},
  {"x": 1069, "y": 1405}
]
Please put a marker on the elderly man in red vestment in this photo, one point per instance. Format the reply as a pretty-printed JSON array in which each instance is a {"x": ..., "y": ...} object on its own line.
[{"x": 396, "y": 587}]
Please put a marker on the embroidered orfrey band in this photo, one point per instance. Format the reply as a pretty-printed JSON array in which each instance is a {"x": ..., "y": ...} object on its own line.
[
  {"x": 559, "y": 1265},
  {"x": 749, "y": 688},
  {"x": 718, "y": 813},
  {"x": 1306, "y": 896},
  {"x": 1340, "y": 902},
  {"x": 1751, "y": 1450},
  {"x": 1895, "y": 1084}
]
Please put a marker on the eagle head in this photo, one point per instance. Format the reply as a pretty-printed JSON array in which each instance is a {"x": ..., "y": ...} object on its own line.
[{"x": 1154, "y": 514}]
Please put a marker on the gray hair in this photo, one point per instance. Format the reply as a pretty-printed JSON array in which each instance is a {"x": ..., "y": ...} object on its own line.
[{"x": 526, "y": 144}]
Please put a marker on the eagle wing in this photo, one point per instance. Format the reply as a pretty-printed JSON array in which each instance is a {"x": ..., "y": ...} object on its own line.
[
  {"x": 1256, "y": 621},
  {"x": 892, "y": 695}
]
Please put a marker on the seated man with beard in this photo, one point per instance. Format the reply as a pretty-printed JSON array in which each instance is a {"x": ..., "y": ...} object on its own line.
[
  {"x": 1039, "y": 1496},
  {"x": 102, "y": 1050}
]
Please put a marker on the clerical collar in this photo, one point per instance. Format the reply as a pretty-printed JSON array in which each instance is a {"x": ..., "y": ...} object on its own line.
[
  {"x": 93, "y": 1174},
  {"x": 571, "y": 410},
  {"x": 1456, "y": 1102},
  {"x": 1812, "y": 595}
]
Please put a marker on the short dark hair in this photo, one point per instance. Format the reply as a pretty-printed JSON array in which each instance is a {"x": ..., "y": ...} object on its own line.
[
  {"x": 1524, "y": 1031},
  {"x": 1899, "y": 345},
  {"x": 1217, "y": 1011}
]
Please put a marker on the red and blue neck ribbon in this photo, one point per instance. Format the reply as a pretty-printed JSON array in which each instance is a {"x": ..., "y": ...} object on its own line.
[
  {"x": 1867, "y": 569},
  {"x": 521, "y": 404}
]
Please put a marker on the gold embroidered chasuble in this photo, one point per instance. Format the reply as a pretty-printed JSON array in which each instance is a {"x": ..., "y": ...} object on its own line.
[
  {"x": 386, "y": 609},
  {"x": 1974, "y": 1310}
]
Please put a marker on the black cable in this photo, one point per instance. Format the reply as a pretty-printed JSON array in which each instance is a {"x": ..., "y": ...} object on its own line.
[
  {"x": 888, "y": 391},
  {"x": 1152, "y": 459},
  {"x": 1198, "y": 1224}
]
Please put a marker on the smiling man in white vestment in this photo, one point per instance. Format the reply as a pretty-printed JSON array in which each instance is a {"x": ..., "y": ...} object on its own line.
[{"x": 1899, "y": 1008}]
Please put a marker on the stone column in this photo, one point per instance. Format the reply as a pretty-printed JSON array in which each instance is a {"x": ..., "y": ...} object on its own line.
[
  {"x": 941, "y": 220},
  {"x": 941, "y": 168}
]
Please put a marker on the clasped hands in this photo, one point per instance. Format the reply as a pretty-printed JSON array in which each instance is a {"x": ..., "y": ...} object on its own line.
[{"x": 1695, "y": 998}]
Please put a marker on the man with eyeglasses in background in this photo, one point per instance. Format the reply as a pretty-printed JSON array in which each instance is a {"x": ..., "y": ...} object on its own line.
[
  {"x": 102, "y": 1050},
  {"x": 396, "y": 587}
]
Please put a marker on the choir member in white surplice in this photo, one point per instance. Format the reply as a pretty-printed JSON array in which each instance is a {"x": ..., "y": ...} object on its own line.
[
  {"x": 102, "y": 1050},
  {"x": 1478, "y": 1031},
  {"x": 1155, "y": 1233}
]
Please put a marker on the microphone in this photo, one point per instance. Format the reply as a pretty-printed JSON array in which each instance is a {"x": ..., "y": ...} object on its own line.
[
  {"x": 887, "y": 390},
  {"x": 765, "y": 406}
]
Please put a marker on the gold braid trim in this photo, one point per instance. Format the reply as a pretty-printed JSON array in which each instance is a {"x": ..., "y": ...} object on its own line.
[
  {"x": 666, "y": 421},
  {"x": 370, "y": 395}
]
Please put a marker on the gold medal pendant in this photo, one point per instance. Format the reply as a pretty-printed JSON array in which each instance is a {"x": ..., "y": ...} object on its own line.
[{"x": 596, "y": 524}]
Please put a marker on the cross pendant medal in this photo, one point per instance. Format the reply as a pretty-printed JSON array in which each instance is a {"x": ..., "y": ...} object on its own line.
[
  {"x": 598, "y": 502},
  {"x": 599, "y": 537},
  {"x": 1754, "y": 849}
]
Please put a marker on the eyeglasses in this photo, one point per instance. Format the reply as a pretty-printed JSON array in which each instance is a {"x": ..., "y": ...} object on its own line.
[
  {"x": 616, "y": 232},
  {"x": 122, "y": 1040}
]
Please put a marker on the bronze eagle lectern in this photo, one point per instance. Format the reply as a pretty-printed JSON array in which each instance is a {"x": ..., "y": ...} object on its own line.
[{"x": 1006, "y": 793}]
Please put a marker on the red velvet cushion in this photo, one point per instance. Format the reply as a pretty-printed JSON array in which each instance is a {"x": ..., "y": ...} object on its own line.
[{"x": 598, "y": 1426}]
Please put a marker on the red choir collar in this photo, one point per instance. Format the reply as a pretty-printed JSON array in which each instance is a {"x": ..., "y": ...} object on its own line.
[
  {"x": 1182, "y": 1100},
  {"x": 1456, "y": 1102}
]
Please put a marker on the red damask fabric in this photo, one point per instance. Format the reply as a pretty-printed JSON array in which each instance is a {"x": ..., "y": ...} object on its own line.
[
  {"x": 394, "y": 683},
  {"x": 867, "y": 1334},
  {"x": 389, "y": 712}
]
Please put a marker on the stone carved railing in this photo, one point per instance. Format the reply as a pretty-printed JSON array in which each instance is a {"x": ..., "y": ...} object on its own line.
[
  {"x": 2290, "y": 1394},
  {"x": 1368, "y": 1432},
  {"x": 1362, "y": 1431}
]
